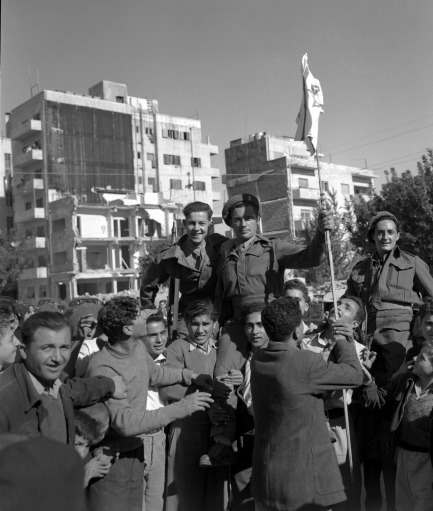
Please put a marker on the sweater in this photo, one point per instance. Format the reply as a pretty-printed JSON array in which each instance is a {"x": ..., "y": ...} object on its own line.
[{"x": 129, "y": 418}]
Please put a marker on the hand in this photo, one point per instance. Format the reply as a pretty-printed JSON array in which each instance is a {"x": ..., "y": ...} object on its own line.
[
  {"x": 119, "y": 387},
  {"x": 373, "y": 396},
  {"x": 203, "y": 381},
  {"x": 325, "y": 220},
  {"x": 96, "y": 467},
  {"x": 196, "y": 402},
  {"x": 221, "y": 390},
  {"x": 233, "y": 377},
  {"x": 341, "y": 329},
  {"x": 368, "y": 358}
]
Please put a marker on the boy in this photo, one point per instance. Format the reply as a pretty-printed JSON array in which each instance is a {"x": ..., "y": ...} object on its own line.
[{"x": 412, "y": 423}]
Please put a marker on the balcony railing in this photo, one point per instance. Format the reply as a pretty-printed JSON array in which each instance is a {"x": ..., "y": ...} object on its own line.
[
  {"x": 27, "y": 128},
  {"x": 28, "y": 159},
  {"x": 29, "y": 214},
  {"x": 312, "y": 194},
  {"x": 41, "y": 272}
]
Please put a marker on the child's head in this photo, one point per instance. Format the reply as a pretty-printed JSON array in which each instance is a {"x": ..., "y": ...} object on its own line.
[
  {"x": 156, "y": 336},
  {"x": 295, "y": 288},
  {"x": 424, "y": 361},
  {"x": 199, "y": 321},
  {"x": 351, "y": 310},
  {"x": 86, "y": 433},
  {"x": 426, "y": 319},
  {"x": 117, "y": 317},
  {"x": 253, "y": 326}
]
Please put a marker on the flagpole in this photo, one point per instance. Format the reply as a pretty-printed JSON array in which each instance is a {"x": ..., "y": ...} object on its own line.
[{"x": 334, "y": 299}]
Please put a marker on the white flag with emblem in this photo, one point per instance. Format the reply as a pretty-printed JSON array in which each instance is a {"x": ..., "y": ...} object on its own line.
[{"x": 311, "y": 108}]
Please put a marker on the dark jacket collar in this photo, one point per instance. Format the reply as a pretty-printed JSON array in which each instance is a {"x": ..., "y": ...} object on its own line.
[
  {"x": 175, "y": 251},
  {"x": 398, "y": 258},
  {"x": 32, "y": 398}
]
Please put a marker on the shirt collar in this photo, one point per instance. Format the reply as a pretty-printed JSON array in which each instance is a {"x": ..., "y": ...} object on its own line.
[
  {"x": 211, "y": 345},
  {"x": 160, "y": 358},
  {"x": 40, "y": 389}
]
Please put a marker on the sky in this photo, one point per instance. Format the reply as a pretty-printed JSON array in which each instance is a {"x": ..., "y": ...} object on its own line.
[{"x": 236, "y": 64}]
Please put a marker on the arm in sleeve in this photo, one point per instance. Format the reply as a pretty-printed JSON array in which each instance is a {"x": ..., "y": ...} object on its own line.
[
  {"x": 129, "y": 421},
  {"x": 175, "y": 359},
  {"x": 290, "y": 255},
  {"x": 423, "y": 278},
  {"x": 88, "y": 391},
  {"x": 228, "y": 356},
  {"x": 153, "y": 275},
  {"x": 346, "y": 372},
  {"x": 162, "y": 375}
]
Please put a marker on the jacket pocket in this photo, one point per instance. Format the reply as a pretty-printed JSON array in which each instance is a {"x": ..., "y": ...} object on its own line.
[{"x": 401, "y": 278}]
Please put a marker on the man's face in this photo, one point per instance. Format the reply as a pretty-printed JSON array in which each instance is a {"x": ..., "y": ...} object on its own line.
[
  {"x": 385, "y": 236},
  {"x": 156, "y": 337},
  {"x": 244, "y": 222},
  {"x": 200, "y": 329},
  {"x": 427, "y": 327},
  {"x": 48, "y": 353},
  {"x": 347, "y": 311},
  {"x": 299, "y": 295},
  {"x": 254, "y": 330},
  {"x": 8, "y": 348},
  {"x": 81, "y": 446},
  {"x": 423, "y": 366},
  {"x": 197, "y": 226}
]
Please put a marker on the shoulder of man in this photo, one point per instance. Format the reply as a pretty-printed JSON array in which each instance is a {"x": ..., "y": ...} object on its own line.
[
  {"x": 170, "y": 252},
  {"x": 216, "y": 240},
  {"x": 8, "y": 383}
]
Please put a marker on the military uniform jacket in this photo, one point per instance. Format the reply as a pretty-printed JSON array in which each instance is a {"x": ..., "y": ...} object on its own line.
[
  {"x": 258, "y": 272},
  {"x": 172, "y": 262},
  {"x": 401, "y": 280}
]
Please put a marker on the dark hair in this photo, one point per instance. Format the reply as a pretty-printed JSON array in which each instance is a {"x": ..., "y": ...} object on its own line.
[
  {"x": 198, "y": 308},
  {"x": 250, "y": 308},
  {"x": 361, "y": 314},
  {"x": 87, "y": 427},
  {"x": 196, "y": 207},
  {"x": 156, "y": 317},
  {"x": 118, "y": 312},
  {"x": 281, "y": 317},
  {"x": 299, "y": 285},
  {"x": 43, "y": 319}
]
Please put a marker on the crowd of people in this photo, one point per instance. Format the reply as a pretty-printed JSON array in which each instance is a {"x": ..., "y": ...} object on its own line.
[{"x": 240, "y": 402}]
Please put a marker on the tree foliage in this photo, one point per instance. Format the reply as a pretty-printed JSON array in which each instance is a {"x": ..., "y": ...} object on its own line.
[{"x": 410, "y": 198}]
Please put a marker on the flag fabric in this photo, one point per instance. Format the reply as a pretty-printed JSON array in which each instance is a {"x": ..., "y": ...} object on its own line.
[{"x": 311, "y": 108}]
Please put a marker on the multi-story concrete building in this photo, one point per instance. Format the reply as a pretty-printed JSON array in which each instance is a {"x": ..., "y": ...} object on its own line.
[
  {"x": 282, "y": 173},
  {"x": 66, "y": 144},
  {"x": 6, "y": 170}
]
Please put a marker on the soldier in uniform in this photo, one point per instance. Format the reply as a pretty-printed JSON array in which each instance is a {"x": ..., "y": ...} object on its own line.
[
  {"x": 251, "y": 266},
  {"x": 192, "y": 260}
]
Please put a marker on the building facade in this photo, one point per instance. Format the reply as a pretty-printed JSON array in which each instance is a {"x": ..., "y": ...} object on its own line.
[
  {"x": 68, "y": 149},
  {"x": 282, "y": 173}
]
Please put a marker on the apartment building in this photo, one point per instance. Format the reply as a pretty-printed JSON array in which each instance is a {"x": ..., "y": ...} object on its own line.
[
  {"x": 67, "y": 145},
  {"x": 282, "y": 173}
]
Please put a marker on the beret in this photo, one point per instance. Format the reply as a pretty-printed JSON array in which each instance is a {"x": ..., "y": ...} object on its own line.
[
  {"x": 239, "y": 200},
  {"x": 381, "y": 215}
]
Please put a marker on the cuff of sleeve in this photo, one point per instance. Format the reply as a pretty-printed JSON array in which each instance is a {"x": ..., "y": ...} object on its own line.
[{"x": 187, "y": 376}]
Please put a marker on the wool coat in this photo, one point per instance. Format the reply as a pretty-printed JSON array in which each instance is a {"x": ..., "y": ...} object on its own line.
[{"x": 294, "y": 463}]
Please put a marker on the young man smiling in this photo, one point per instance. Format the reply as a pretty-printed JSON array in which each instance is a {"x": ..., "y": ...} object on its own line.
[{"x": 192, "y": 259}]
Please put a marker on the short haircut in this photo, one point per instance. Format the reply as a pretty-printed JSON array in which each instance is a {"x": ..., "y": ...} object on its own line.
[
  {"x": 196, "y": 207},
  {"x": 43, "y": 319},
  {"x": 281, "y": 317},
  {"x": 198, "y": 308},
  {"x": 300, "y": 286},
  {"x": 118, "y": 312},
  {"x": 250, "y": 308},
  {"x": 87, "y": 427},
  {"x": 156, "y": 317},
  {"x": 361, "y": 314}
]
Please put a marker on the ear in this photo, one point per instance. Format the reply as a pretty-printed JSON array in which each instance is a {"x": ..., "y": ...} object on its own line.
[
  {"x": 398, "y": 236},
  {"x": 127, "y": 330},
  {"x": 23, "y": 353},
  {"x": 355, "y": 324},
  {"x": 298, "y": 333}
]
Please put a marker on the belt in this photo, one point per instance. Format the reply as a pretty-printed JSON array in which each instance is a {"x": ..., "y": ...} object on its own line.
[
  {"x": 410, "y": 447},
  {"x": 153, "y": 431},
  {"x": 134, "y": 454}
]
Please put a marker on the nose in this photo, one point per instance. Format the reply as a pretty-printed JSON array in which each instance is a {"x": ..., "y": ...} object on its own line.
[{"x": 57, "y": 356}]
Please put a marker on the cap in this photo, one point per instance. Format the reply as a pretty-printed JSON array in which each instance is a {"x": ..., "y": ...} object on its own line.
[
  {"x": 381, "y": 215},
  {"x": 243, "y": 199}
]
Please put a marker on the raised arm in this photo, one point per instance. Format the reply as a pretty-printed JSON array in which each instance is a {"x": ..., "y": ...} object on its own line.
[{"x": 153, "y": 275}]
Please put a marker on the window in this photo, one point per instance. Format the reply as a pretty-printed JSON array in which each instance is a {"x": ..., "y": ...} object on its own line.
[
  {"x": 171, "y": 159},
  {"x": 302, "y": 182},
  {"x": 42, "y": 260},
  {"x": 140, "y": 180},
  {"x": 345, "y": 189},
  {"x": 28, "y": 233},
  {"x": 150, "y": 157},
  {"x": 151, "y": 182},
  {"x": 7, "y": 163},
  {"x": 186, "y": 135},
  {"x": 325, "y": 185},
  {"x": 30, "y": 292},
  {"x": 28, "y": 205},
  {"x": 148, "y": 130},
  {"x": 42, "y": 291},
  {"x": 120, "y": 227},
  {"x": 137, "y": 129},
  {"x": 195, "y": 162},
  {"x": 138, "y": 155},
  {"x": 175, "y": 184},
  {"x": 164, "y": 133},
  {"x": 40, "y": 202},
  {"x": 40, "y": 231},
  {"x": 120, "y": 99},
  {"x": 306, "y": 215},
  {"x": 199, "y": 186}
]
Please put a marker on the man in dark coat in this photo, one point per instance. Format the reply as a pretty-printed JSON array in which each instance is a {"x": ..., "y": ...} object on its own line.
[
  {"x": 295, "y": 466},
  {"x": 192, "y": 260}
]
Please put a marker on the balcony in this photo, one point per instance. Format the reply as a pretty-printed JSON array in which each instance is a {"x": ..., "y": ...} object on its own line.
[
  {"x": 41, "y": 272},
  {"x": 29, "y": 214},
  {"x": 33, "y": 243},
  {"x": 28, "y": 159},
  {"x": 27, "y": 128},
  {"x": 310, "y": 194}
]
